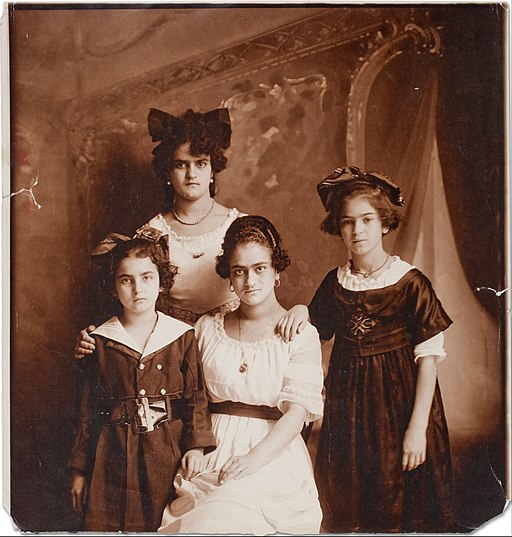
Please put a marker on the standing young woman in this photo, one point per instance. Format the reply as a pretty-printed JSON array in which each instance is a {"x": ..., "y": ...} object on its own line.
[{"x": 189, "y": 155}]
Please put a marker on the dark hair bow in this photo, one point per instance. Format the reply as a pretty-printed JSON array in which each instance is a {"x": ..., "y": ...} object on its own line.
[
  {"x": 113, "y": 239},
  {"x": 165, "y": 126},
  {"x": 330, "y": 187},
  {"x": 219, "y": 126},
  {"x": 161, "y": 124}
]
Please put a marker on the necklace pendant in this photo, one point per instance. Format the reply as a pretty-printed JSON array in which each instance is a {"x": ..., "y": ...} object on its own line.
[{"x": 243, "y": 368}]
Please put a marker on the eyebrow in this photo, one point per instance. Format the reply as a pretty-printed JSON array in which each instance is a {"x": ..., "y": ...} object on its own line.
[
  {"x": 192, "y": 159},
  {"x": 250, "y": 266},
  {"x": 358, "y": 215},
  {"x": 131, "y": 275}
]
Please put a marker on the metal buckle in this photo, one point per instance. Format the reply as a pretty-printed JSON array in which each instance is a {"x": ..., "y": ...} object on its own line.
[{"x": 148, "y": 415}]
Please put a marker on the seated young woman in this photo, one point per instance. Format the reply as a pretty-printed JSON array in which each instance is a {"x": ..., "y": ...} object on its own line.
[{"x": 261, "y": 390}]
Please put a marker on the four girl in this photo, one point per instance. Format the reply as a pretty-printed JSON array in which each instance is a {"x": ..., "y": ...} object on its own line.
[{"x": 383, "y": 462}]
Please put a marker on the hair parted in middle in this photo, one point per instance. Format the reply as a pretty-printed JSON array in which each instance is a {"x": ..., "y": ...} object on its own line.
[
  {"x": 247, "y": 229},
  {"x": 207, "y": 133}
]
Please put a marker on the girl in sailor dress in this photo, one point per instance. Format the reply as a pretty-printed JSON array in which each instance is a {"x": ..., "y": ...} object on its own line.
[{"x": 143, "y": 406}]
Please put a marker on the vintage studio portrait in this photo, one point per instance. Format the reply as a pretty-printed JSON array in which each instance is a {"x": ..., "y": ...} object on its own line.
[{"x": 257, "y": 268}]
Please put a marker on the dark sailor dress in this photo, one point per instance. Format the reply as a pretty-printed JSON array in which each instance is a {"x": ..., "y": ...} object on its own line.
[{"x": 140, "y": 412}]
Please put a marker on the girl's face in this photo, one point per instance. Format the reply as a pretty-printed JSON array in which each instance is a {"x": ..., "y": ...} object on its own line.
[
  {"x": 252, "y": 274},
  {"x": 361, "y": 227},
  {"x": 190, "y": 176},
  {"x": 137, "y": 284}
]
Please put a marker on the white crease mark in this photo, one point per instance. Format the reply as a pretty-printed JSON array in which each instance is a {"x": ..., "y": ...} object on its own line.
[
  {"x": 28, "y": 192},
  {"x": 497, "y": 293}
]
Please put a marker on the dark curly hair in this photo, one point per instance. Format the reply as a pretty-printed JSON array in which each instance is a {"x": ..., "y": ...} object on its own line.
[
  {"x": 390, "y": 215},
  {"x": 138, "y": 247},
  {"x": 256, "y": 229},
  {"x": 204, "y": 137}
]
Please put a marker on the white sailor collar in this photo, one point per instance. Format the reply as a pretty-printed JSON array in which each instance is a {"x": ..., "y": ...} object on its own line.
[{"x": 167, "y": 329}]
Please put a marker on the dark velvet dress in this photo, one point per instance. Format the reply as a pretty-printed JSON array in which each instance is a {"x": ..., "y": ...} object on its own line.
[{"x": 370, "y": 391}]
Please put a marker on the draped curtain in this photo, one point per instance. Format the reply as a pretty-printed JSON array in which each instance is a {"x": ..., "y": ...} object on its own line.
[{"x": 407, "y": 150}]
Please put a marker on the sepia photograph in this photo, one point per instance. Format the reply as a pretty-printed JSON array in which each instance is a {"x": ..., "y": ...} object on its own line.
[{"x": 256, "y": 267}]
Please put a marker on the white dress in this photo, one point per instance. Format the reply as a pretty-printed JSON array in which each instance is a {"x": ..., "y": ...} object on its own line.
[
  {"x": 282, "y": 495},
  {"x": 197, "y": 288}
]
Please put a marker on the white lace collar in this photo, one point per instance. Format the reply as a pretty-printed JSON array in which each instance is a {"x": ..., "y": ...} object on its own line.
[
  {"x": 354, "y": 282},
  {"x": 233, "y": 214}
]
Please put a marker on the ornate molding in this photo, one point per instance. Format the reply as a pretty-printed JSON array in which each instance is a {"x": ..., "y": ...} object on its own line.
[
  {"x": 411, "y": 37},
  {"x": 333, "y": 27}
]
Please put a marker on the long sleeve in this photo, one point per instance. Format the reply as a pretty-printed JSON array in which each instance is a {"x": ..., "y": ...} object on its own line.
[
  {"x": 197, "y": 422},
  {"x": 82, "y": 453}
]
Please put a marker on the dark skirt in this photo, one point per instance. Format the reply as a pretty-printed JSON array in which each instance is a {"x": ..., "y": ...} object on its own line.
[{"x": 369, "y": 401}]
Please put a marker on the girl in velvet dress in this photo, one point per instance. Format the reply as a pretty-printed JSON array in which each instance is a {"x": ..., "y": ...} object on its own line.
[{"x": 383, "y": 461}]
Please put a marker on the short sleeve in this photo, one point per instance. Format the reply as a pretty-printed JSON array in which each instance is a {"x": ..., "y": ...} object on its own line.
[
  {"x": 158, "y": 222},
  {"x": 323, "y": 307},
  {"x": 431, "y": 347},
  {"x": 303, "y": 379},
  {"x": 427, "y": 315}
]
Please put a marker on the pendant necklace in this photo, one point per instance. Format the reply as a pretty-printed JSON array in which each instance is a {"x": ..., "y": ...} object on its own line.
[
  {"x": 367, "y": 274},
  {"x": 197, "y": 221},
  {"x": 244, "y": 366}
]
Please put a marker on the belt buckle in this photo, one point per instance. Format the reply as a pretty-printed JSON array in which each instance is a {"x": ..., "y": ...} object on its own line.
[
  {"x": 142, "y": 422},
  {"x": 148, "y": 415}
]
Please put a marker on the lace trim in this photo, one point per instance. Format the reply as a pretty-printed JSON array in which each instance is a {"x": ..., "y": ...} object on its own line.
[
  {"x": 200, "y": 240},
  {"x": 310, "y": 396},
  {"x": 221, "y": 332},
  {"x": 396, "y": 270},
  {"x": 192, "y": 317}
]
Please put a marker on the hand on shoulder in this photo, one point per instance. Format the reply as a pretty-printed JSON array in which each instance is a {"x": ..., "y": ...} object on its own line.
[{"x": 293, "y": 322}]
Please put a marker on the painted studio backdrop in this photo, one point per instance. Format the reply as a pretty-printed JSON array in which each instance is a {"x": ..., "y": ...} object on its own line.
[{"x": 415, "y": 92}]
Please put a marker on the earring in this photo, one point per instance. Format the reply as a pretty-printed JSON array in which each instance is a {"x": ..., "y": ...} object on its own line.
[
  {"x": 277, "y": 283},
  {"x": 231, "y": 288},
  {"x": 211, "y": 180},
  {"x": 168, "y": 183}
]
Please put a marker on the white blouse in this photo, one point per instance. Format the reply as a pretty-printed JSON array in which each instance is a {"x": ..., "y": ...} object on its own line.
[{"x": 197, "y": 287}]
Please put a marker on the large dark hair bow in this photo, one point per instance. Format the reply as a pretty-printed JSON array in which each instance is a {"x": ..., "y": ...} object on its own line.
[
  {"x": 330, "y": 187},
  {"x": 145, "y": 232},
  {"x": 163, "y": 126}
]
